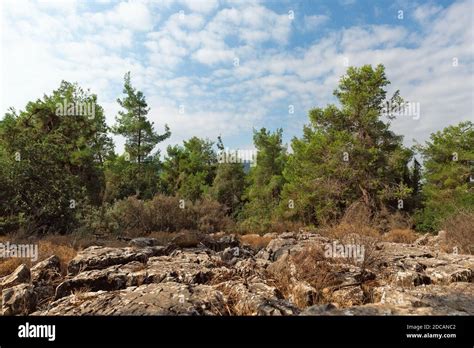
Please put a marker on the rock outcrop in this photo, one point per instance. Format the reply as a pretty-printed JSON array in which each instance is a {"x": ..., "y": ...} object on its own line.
[{"x": 217, "y": 275}]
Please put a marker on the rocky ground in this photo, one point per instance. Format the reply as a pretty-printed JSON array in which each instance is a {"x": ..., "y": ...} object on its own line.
[{"x": 202, "y": 275}]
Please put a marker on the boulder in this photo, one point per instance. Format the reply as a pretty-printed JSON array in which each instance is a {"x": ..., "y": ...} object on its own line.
[
  {"x": 98, "y": 257},
  {"x": 143, "y": 242},
  {"x": 18, "y": 300},
  {"x": 20, "y": 275},
  {"x": 227, "y": 241},
  {"x": 108, "y": 279},
  {"x": 232, "y": 255},
  {"x": 202, "y": 275},
  {"x": 149, "y": 299},
  {"x": 46, "y": 271}
]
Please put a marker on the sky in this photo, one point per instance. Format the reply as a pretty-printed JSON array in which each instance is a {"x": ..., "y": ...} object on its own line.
[{"x": 210, "y": 67}]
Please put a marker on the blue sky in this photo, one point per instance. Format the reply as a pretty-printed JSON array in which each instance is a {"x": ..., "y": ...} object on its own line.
[{"x": 210, "y": 67}]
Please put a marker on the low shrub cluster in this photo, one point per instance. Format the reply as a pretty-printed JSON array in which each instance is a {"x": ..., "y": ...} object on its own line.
[{"x": 134, "y": 217}]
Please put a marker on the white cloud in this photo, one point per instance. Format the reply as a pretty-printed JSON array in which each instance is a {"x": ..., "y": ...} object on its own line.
[
  {"x": 201, "y": 6},
  {"x": 313, "y": 22},
  {"x": 43, "y": 45},
  {"x": 212, "y": 56},
  {"x": 133, "y": 15},
  {"x": 425, "y": 12}
]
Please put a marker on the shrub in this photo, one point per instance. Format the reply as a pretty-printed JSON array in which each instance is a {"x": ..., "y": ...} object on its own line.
[
  {"x": 211, "y": 216},
  {"x": 255, "y": 240},
  {"x": 308, "y": 266},
  {"x": 405, "y": 236},
  {"x": 135, "y": 217},
  {"x": 459, "y": 229},
  {"x": 165, "y": 214}
]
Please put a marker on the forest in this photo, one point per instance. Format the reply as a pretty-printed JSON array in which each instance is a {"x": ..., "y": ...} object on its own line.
[{"x": 60, "y": 173}]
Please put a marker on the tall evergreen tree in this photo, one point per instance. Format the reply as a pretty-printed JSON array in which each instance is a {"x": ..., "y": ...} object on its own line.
[
  {"x": 229, "y": 183},
  {"x": 447, "y": 169},
  {"x": 141, "y": 139},
  {"x": 189, "y": 170},
  {"x": 132, "y": 123},
  {"x": 348, "y": 153},
  {"x": 54, "y": 152},
  {"x": 265, "y": 179}
]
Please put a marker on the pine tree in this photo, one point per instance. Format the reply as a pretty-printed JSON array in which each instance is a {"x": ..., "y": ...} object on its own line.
[
  {"x": 347, "y": 154},
  {"x": 132, "y": 123},
  {"x": 265, "y": 179},
  {"x": 141, "y": 139},
  {"x": 447, "y": 170},
  {"x": 229, "y": 184}
]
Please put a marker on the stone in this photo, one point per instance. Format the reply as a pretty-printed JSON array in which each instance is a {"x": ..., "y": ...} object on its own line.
[
  {"x": 227, "y": 241},
  {"x": 149, "y": 299},
  {"x": 98, "y": 257},
  {"x": 143, "y": 242},
  {"x": 219, "y": 276},
  {"x": 20, "y": 275},
  {"x": 18, "y": 300},
  {"x": 46, "y": 271}
]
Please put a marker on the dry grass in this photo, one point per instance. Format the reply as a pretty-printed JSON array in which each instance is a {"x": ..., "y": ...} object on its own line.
[
  {"x": 406, "y": 236},
  {"x": 308, "y": 277},
  {"x": 64, "y": 252},
  {"x": 60, "y": 246},
  {"x": 460, "y": 231},
  {"x": 7, "y": 266},
  {"x": 255, "y": 240},
  {"x": 163, "y": 238},
  {"x": 344, "y": 229},
  {"x": 308, "y": 266}
]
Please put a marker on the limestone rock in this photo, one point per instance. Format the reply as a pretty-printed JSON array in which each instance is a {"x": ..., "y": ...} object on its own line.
[
  {"x": 97, "y": 257},
  {"x": 46, "y": 271},
  {"x": 143, "y": 242},
  {"x": 215, "y": 275},
  {"x": 20, "y": 275},
  {"x": 150, "y": 299},
  {"x": 20, "y": 299}
]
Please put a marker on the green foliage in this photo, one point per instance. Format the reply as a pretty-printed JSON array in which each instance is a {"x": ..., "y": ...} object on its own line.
[
  {"x": 51, "y": 158},
  {"x": 347, "y": 154},
  {"x": 132, "y": 123},
  {"x": 189, "y": 171},
  {"x": 59, "y": 172},
  {"x": 133, "y": 216},
  {"x": 126, "y": 179},
  {"x": 447, "y": 165},
  {"x": 265, "y": 179},
  {"x": 137, "y": 171},
  {"x": 229, "y": 184}
]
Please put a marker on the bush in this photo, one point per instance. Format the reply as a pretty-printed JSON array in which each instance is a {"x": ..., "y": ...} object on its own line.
[
  {"x": 211, "y": 216},
  {"x": 164, "y": 213},
  {"x": 459, "y": 229},
  {"x": 135, "y": 217},
  {"x": 405, "y": 236}
]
